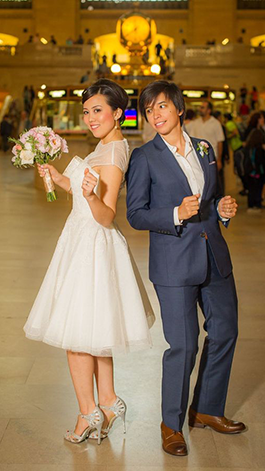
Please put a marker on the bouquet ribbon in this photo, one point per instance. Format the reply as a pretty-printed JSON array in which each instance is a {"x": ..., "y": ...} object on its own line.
[{"x": 49, "y": 186}]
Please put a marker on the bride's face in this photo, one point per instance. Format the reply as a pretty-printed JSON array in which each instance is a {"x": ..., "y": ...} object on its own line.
[{"x": 99, "y": 116}]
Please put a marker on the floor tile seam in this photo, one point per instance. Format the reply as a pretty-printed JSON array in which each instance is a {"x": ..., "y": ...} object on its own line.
[{"x": 6, "y": 427}]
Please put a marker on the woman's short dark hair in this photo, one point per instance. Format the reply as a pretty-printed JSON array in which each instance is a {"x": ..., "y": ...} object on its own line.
[
  {"x": 255, "y": 138},
  {"x": 115, "y": 95},
  {"x": 171, "y": 91},
  {"x": 254, "y": 120}
]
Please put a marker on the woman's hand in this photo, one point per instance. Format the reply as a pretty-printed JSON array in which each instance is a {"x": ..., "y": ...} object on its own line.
[
  {"x": 88, "y": 184},
  {"x": 227, "y": 207},
  {"x": 55, "y": 175}
]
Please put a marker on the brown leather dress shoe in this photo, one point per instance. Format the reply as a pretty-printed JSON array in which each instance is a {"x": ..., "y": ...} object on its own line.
[
  {"x": 219, "y": 424},
  {"x": 173, "y": 442}
]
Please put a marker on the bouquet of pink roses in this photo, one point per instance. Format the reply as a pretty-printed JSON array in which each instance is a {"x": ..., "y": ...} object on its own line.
[{"x": 39, "y": 145}]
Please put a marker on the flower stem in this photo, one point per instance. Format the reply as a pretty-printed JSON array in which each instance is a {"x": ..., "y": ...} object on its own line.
[{"x": 51, "y": 196}]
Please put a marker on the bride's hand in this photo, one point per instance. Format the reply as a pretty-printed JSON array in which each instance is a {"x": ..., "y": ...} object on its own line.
[
  {"x": 54, "y": 173},
  {"x": 88, "y": 184}
]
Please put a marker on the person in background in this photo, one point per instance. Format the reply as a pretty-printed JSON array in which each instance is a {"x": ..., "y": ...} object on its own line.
[
  {"x": 209, "y": 128},
  {"x": 244, "y": 109},
  {"x": 30, "y": 40},
  {"x": 225, "y": 153},
  {"x": 85, "y": 77},
  {"x": 25, "y": 123},
  {"x": 189, "y": 116},
  {"x": 5, "y": 131},
  {"x": 257, "y": 121},
  {"x": 255, "y": 161},
  {"x": 36, "y": 38},
  {"x": 32, "y": 96},
  {"x": 158, "y": 49},
  {"x": 235, "y": 144},
  {"x": 69, "y": 42},
  {"x": 53, "y": 40},
  {"x": 80, "y": 39},
  {"x": 27, "y": 99},
  {"x": 243, "y": 92},
  {"x": 254, "y": 98}
]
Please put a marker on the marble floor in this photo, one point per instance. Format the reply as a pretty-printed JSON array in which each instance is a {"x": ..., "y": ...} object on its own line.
[{"x": 37, "y": 400}]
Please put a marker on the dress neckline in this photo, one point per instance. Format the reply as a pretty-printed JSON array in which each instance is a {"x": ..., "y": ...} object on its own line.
[{"x": 118, "y": 140}]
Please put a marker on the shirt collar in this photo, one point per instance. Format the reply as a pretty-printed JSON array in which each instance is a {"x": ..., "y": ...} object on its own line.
[{"x": 174, "y": 149}]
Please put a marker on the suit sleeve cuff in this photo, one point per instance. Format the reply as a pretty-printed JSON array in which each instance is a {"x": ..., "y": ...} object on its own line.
[
  {"x": 177, "y": 222},
  {"x": 220, "y": 217}
]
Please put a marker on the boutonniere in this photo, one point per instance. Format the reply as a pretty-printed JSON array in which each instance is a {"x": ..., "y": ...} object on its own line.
[{"x": 203, "y": 148}]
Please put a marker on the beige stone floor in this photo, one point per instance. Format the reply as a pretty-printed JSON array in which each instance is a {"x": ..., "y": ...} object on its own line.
[{"x": 37, "y": 401}]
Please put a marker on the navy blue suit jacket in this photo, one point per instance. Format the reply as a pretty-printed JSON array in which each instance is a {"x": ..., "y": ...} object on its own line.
[{"x": 155, "y": 185}]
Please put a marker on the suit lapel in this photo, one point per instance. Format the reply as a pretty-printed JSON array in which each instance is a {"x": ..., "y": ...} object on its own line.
[
  {"x": 172, "y": 163},
  {"x": 204, "y": 162}
]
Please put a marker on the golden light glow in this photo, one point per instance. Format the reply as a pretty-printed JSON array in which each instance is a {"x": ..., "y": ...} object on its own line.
[
  {"x": 8, "y": 40},
  {"x": 135, "y": 28},
  {"x": 78, "y": 92},
  {"x": 43, "y": 86},
  {"x": 258, "y": 41},
  {"x": 115, "y": 68},
  {"x": 232, "y": 96},
  {"x": 13, "y": 50},
  {"x": 41, "y": 95},
  {"x": 57, "y": 93},
  {"x": 155, "y": 69},
  {"x": 218, "y": 95},
  {"x": 44, "y": 41},
  {"x": 225, "y": 41},
  {"x": 193, "y": 93},
  {"x": 226, "y": 86}
]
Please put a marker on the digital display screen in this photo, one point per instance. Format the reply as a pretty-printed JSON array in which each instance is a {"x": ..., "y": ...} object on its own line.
[{"x": 131, "y": 119}]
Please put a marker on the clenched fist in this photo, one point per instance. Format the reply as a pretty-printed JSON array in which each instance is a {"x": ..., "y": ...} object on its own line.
[
  {"x": 88, "y": 184},
  {"x": 227, "y": 207},
  {"x": 189, "y": 207}
]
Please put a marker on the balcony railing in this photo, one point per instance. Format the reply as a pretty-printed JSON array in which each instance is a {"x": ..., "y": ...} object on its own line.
[
  {"x": 251, "y": 4},
  {"x": 128, "y": 4},
  {"x": 15, "y": 4}
]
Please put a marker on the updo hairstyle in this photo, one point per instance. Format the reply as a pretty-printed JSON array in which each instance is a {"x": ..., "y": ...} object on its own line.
[{"x": 115, "y": 95}]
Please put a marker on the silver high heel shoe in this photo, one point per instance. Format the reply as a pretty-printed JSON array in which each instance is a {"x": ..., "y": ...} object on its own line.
[
  {"x": 94, "y": 420},
  {"x": 119, "y": 409}
]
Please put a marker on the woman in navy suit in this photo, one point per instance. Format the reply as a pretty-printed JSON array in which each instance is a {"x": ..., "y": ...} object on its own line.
[{"x": 173, "y": 192}]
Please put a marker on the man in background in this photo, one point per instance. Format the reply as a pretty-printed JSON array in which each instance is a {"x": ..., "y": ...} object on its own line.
[{"x": 207, "y": 127}]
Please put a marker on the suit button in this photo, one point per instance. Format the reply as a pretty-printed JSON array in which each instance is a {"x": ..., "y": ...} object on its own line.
[{"x": 204, "y": 235}]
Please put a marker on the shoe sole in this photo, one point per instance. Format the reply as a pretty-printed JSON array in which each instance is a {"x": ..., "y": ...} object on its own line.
[
  {"x": 174, "y": 454},
  {"x": 198, "y": 425}
]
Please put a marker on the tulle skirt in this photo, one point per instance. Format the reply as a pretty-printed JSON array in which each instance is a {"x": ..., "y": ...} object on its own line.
[{"x": 92, "y": 298}]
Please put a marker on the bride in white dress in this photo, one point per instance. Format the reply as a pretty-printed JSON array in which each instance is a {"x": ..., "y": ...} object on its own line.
[{"x": 92, "y": 301}]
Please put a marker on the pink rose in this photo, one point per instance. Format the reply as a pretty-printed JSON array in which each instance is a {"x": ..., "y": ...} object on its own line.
[
  {"x": 64, "y": 146},
  {"x": 55, "y": 144},
  {"x": 204, "y": 144},
  {"x": 17, "y": 148}
]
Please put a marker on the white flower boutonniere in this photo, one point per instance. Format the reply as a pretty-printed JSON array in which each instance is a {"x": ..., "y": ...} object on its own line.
[{"x": 203, "y": 148}]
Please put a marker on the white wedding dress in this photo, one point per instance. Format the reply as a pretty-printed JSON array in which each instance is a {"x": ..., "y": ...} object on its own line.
[{"x": 92, "y": 298}]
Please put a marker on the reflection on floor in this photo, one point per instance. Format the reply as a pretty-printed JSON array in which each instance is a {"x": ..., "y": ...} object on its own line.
[{"x": 37, "y": 401}]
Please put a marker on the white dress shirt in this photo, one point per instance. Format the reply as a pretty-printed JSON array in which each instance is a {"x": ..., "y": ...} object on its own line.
[{"x": 191, "y": 167}]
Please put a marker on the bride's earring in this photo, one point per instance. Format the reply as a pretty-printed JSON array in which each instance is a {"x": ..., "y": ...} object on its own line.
[{"x": 116, "y": 124}]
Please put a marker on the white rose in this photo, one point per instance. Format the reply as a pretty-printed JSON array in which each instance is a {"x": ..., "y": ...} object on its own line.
[
  {"x": 27, "y": 157},
  {"x": 27, "y": 146}
]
